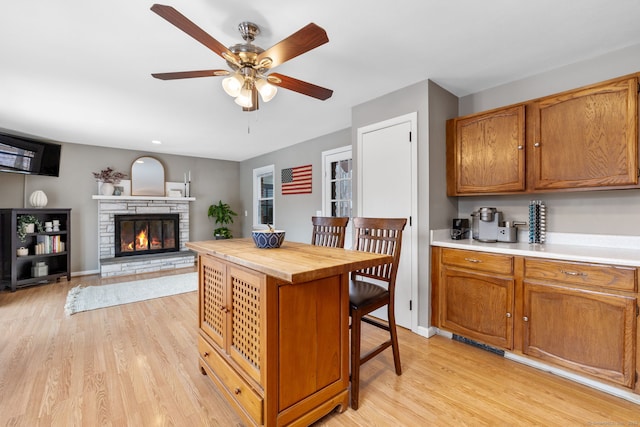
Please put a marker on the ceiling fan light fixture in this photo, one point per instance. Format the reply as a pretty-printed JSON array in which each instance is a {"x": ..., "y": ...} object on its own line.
[
  {"x": 267, "y": 91},
  {"x": 248, "y": 62},
  {"x": 244, "y": 99},
  {"x": 232, "y": 85}
]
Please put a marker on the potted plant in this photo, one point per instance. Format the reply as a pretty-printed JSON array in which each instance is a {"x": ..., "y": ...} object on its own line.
[
  {"x": 27, "y": 224},
  {"x": 108, "y": 177},
  {"x": 223, "y": 215}
]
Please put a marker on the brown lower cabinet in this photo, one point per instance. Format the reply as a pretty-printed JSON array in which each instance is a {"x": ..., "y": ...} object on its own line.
[
  {"x": 579, "y": 316},
  {"x": 477, "y": 296}
]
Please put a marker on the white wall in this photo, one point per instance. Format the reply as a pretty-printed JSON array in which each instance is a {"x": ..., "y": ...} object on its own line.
[{"x": 596, "y": 212}]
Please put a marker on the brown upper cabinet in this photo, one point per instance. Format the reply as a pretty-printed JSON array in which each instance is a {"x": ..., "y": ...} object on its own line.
[{"x": 577, "y": 140}]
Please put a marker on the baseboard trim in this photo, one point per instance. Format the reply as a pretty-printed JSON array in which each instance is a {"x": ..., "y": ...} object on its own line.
[
  {"x": 615, "y": 391},
  {"x": 84, "y": 273},
  {"x": 606, "y": 388},
  {"x": 426, "y": 332}
]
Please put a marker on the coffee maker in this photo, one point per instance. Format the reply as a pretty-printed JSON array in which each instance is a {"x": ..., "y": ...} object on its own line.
[{"x": 485, "y": 222}]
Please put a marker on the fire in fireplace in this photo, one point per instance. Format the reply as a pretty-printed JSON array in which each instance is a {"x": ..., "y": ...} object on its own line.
[{"x": 146, "y": 234}]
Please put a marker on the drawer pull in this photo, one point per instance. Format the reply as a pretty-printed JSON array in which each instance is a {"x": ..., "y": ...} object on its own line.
[
  {"x": 525, "y": 318},
  {"x": 473, "y": 260},
  {"x": 574, "y": 273},
  {"x": 237, "y": 391},
  {"x": 508, "y": 315}
]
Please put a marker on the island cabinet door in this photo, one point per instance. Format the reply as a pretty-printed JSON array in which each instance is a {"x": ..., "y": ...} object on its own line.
[
  {"x": 231, "y": 312},
  {"x": 212, "y": 290},
  {"x": 246, "y": 301},
  {"x": 588, "y": 331}
]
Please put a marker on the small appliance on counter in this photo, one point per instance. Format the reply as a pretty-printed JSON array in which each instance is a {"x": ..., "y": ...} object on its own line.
[
  {"x": 485, "y": 222},
  {"x": 460, "y": 229},
  {"x": 488, "y": 226},
  {"x": 508, "y": 231}
]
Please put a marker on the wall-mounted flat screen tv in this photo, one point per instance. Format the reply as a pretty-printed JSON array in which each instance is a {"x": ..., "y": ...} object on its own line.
[{"x": 29, "y": 156}]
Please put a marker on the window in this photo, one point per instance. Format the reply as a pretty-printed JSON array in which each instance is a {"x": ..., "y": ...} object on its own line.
[
  {"x": 337, "y": 168},
  {"x": 263, "y": 196}
]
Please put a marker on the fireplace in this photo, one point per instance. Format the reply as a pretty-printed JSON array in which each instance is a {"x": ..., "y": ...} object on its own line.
[{"x": 145, "y": 234}]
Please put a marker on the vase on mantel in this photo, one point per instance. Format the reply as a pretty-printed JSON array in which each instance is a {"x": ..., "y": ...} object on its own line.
[{"x": 106, "y": 189}]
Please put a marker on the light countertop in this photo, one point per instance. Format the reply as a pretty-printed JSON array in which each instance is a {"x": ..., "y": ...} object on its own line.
[{"x": 619, "y": 250}]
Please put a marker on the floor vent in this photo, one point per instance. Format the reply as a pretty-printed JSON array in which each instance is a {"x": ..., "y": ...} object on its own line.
[{"x": 462, "y": 339}]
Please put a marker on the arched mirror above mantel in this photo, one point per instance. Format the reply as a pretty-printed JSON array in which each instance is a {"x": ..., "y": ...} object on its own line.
[{"x": 147, "y": 177}]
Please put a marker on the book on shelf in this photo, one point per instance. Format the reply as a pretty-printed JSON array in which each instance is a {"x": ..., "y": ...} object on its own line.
[{"x": 49, "y": 245}]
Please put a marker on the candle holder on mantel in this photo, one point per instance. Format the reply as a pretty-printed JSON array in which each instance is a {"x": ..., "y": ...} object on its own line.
[{"x": 187, "y": 184}]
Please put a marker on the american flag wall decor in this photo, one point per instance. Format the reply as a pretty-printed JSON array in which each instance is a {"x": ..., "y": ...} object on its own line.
[{"x": 296, "y": 180}]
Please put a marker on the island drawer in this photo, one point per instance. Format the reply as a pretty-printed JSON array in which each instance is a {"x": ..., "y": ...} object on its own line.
[
  {"x": 478, "y": 261},
  {"x": 585, "y": 274},
  {"x": 236, "y": 386}
]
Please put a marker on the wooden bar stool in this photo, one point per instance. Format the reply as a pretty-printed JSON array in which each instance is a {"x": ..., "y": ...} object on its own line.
[
  {"x": 384, "y": 236},
  {"x": 329, "y": 231}
]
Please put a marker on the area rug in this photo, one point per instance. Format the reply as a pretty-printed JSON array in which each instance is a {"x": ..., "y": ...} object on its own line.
[{"x": 93, "y": 297}]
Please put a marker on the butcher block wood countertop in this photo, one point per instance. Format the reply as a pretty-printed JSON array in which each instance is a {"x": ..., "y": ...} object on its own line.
[{"x": 293, "y": 262}]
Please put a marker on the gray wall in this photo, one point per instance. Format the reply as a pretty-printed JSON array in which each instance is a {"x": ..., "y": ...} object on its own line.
[
  {"x": 434, "y": 106},
  {"x": 292, "y": 212},
  {"x": 211, "y": 180},
  {"x": 595, "y": 212}
]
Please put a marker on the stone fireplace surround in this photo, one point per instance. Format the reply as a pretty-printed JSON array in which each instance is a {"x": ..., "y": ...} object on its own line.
[{"x": 108, "y": 206}]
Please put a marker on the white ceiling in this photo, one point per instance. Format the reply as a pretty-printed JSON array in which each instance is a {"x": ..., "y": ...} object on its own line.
[{"x": 79, "y": 71}]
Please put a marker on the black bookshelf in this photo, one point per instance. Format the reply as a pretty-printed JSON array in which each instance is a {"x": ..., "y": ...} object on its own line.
[{"x": 54, "y": 250}]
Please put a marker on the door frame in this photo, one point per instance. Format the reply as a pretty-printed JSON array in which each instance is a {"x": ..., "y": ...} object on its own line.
[
  {"x": 412, "y": 118},
  {"x": 347, "y": 151}
]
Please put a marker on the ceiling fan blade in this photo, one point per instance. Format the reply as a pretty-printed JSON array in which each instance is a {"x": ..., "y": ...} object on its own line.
[
  {"x": 299, "y": 86},
  {"x": 301, "y": 41},
  {"x": 183, "y": 23},
  {"x": 190, "y": 74}
]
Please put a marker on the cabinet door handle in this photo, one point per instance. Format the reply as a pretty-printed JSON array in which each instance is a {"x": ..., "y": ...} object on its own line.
[
  {"x": 537, "y": 144},
  {"x": 224, "y": 309},
  {"x": 525, "y": 318},
  {"x": 205, "y": 354},
  {"x": 508, "y": 314},
  {"x": 472, "y": 260},
  {"x": 520, "y": 147},
  {"x": 237, "y": 391},
  {"x": 574, "y": 273}
]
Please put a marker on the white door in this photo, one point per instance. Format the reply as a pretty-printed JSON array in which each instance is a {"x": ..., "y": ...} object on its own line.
[{"x": 387, "y": 180}]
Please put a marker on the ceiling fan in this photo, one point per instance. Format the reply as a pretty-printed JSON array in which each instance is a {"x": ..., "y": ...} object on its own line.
[{"x": 250, "y": 63}]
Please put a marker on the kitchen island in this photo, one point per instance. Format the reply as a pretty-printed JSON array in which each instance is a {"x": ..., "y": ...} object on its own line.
[{"x": 274, "y": 327}]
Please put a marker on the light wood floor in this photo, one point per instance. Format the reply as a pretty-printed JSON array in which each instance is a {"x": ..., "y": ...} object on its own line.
[{"x": 136, "y": 365}]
